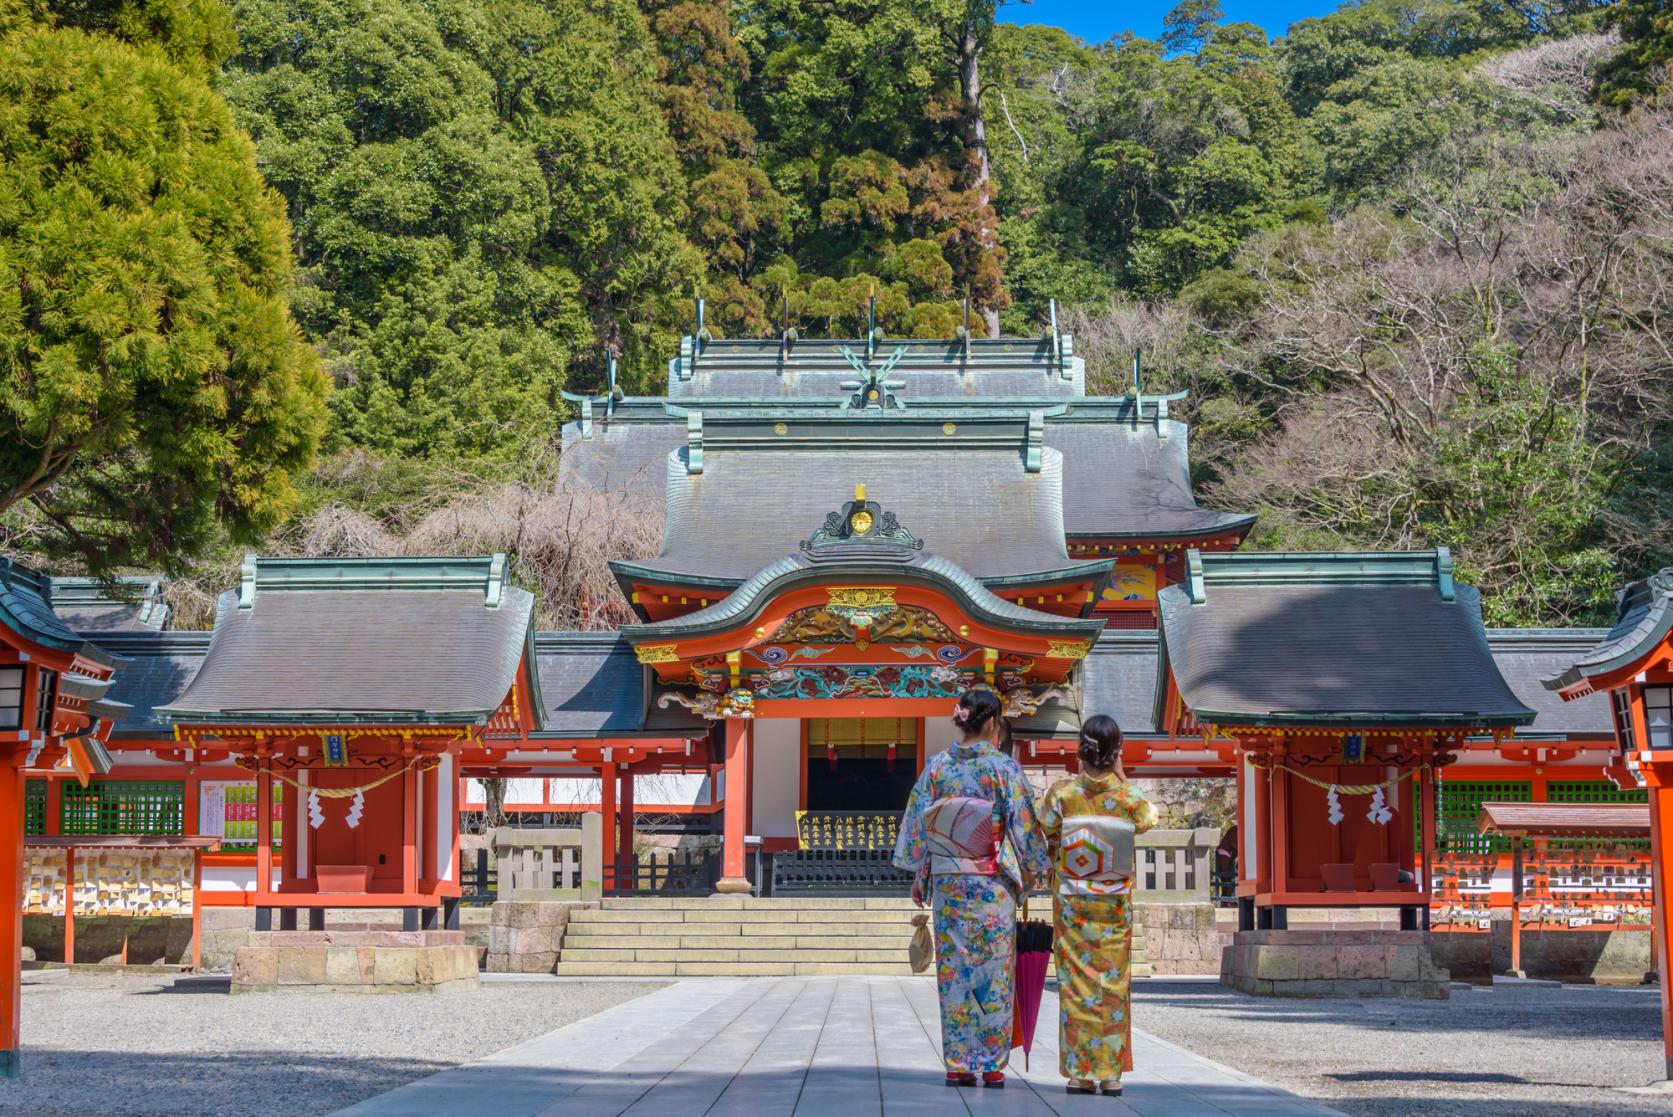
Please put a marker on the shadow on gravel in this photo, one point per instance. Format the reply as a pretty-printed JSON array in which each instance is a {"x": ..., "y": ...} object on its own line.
[
  {"x": 1595, "y": 1012},
  {"x": 220, "y": 1083},
  {"x": 206, "y": 984}
]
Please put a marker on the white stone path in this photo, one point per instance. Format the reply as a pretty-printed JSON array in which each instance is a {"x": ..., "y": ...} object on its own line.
[{"x": 802, "y": 1047}]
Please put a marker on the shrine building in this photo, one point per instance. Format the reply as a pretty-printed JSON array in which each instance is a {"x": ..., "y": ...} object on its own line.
[{"x": 852, "y": 532}]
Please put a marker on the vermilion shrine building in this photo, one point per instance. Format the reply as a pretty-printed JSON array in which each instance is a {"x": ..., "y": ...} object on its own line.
[{"x": 853, "y": 533}]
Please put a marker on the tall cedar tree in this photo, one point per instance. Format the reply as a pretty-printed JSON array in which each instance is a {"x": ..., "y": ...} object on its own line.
[{"x": 156, "y": 390}]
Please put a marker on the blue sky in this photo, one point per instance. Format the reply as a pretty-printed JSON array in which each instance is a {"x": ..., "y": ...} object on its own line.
[{"x": 1097, "y": 20}]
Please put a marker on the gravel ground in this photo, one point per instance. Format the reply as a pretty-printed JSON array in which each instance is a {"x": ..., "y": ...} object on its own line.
[
  {"x": 1488, "y": 1053},
  {"x": 97, "y": 1045}
]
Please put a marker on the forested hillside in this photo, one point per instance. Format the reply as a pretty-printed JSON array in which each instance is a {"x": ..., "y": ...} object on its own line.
[{"x": 1410, "y": 258}]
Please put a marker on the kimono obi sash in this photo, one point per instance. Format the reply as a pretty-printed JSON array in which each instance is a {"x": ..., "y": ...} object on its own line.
[
  {"x": 1095, "y": 857},
  {"x": 962, "y": 836}
]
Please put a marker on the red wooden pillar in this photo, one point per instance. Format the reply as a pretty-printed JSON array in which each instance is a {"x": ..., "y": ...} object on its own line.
[
  {"x": 734, "y": 877},
  {"x": 409, "y": 832},
  {"x": 624, "y": 841},
  {"x": 53, "y": 824},
  {"x": 11, "y": 918},
  {"x": 69, "y": 906},
  {"x": 1279, "y": 825},
  {"x": 1426, "y": 819},
  {"x": 1660, "y": 779},
  {"x": 264, "y": 832},
  {"x": 607, "y": 816}
]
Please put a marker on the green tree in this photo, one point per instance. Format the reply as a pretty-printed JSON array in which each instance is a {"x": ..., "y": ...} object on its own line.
[
  {"x": 1190, "y": 24},
  {"x": 1639, "y": 68},
  {"x": 487, "y": 205},
  {"x": 156, "y": 390}
]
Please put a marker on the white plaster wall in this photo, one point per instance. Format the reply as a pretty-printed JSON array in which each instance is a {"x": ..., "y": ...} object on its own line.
[{"x": 775, "y": 771}]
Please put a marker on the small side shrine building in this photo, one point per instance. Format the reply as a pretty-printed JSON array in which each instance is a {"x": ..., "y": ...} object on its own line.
[{"x": 357, "y": 685}]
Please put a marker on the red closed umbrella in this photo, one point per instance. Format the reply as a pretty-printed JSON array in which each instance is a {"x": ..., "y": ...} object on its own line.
[{"x": 1033, "y": 956}]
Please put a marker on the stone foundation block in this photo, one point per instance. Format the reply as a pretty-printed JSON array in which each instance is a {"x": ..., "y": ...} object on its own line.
[
  {"x": 1358, "y": 963},
  {"x": 355, "y": 962}
]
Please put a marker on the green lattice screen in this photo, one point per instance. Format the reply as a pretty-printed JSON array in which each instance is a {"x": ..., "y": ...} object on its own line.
[
  {"x": 34, "y": 807},
  {"x": 1458, "y": 809},
  {"x": 125, "y": 807},
  {"x": 1594, "y": 791}
]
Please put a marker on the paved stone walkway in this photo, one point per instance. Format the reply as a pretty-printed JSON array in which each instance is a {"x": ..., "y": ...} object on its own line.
[{"x": 802, "y": 1047}]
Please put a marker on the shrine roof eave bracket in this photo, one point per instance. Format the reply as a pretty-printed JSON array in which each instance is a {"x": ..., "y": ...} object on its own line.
[{"x": 752, "y": 597}]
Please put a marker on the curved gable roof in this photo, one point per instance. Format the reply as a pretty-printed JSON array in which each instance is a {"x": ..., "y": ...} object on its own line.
[
  {"x": 981, "y": 508},
  {"x": 409, "y": 641},
  {"x": 1331, "y": 639}
]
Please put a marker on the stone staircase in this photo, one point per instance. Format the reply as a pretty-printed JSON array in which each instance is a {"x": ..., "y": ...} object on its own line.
[
  {"x": 748, "y": 937},
  {"x": 737, "y": 936}
]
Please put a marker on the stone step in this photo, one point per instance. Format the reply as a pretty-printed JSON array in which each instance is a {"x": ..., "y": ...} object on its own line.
[
  {"x": 755, "y": 903},
  {"x": 726, "y": 969},
  {"x": 739, "y": 930},
  {"x": 734, "y": 917},
  {"x": 586, "y": 939},
  {"x": 731, "y": 954}
]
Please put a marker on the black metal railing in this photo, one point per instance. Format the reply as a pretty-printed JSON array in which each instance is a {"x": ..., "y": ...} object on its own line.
[{"x": 838, "y": 872}]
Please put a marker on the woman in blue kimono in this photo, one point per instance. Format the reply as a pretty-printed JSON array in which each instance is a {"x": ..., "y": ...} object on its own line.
[{"x": 970, "y": 841}]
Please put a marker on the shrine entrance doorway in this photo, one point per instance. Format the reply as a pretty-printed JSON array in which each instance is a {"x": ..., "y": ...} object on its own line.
[{"x": 860, "y": 764}]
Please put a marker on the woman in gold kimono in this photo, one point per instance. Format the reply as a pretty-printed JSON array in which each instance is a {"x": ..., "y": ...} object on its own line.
[{"x": 1089, "y": 822}]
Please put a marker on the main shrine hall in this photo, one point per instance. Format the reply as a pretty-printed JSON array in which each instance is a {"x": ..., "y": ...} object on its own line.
[{"x": 852, "y": 533}]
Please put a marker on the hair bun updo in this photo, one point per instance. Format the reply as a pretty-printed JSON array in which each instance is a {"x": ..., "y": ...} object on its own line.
[
  {"x": 1100, "y": 742},
  {"x": 975, "y": 711}
]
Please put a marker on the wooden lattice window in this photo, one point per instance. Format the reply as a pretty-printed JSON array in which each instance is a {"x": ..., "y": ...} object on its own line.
[
  {"x": 125, "y": 807},
  {"x": 34, "y": 807},
  {"x": 1458, "y": 812}
]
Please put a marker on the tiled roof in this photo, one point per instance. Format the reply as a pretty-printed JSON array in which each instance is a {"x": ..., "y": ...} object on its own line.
[
  {"x": 313, "y": 641},
  {"x": 981, "y": 508},
  {"x": 1643, "y": 619},
  {"x": 1332, "y": 639},
  {"x": 26, "y": 609},
  {"x": 1118, "y": 679},
  {"x": 591, "y": 684},
  {"x": 1133, "y": 480},
  {"x": 156, "y": 670},
  {"x": 1528, "y": 656},
  {"x": 90, "y": 606}
]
